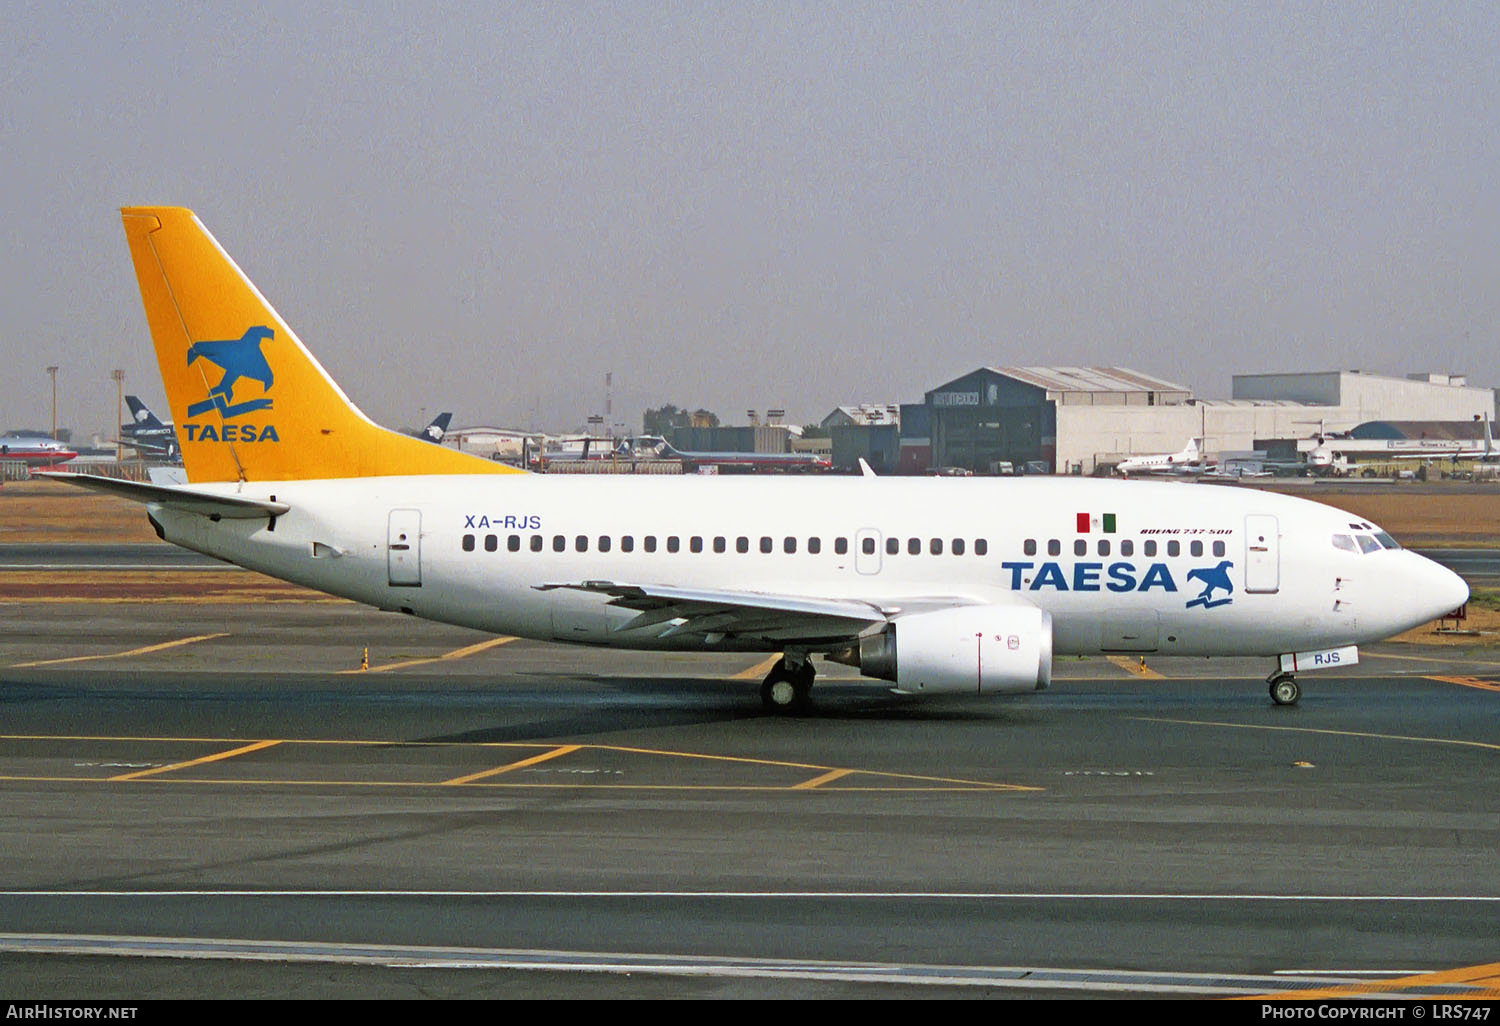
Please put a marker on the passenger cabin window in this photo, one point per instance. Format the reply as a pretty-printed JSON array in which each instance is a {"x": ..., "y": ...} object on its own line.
[
  {"x": 841, "y": 546},
  {"x": 935, "y": 546},
  {"x": 468, "y": 543},
  {"x": 765, "y": 544},
  {"x": 536, "y": 543},
  {"x": 559, "y": 543},
  {"x": 695, "y": 543},
  {"x": 1149, "y": 548},
  {"x": 1174, "y": 548},
  {"x": 1029, "y": 547},
  {"x": 491, "y": 543},
  {"x": 789, "y": 545},
  {"x": 1080, "y": 548},
  {"x": 673, "y": 543},
  {"x": 513, "y": 543},
  {"x": 649, "y": 543},
  {"x": 958, "y": 546},
  {"x": 581, "y": 543},
  {"x": 814, "y": 546},
  {"x": 742, "y": 544},
  {"x": 720, "y": 545},
  {"x": 1103, "y": 546},
  {"x": 1127, "y": 548},
  {"x": 914, "y": 546},
  {"x": 981, "y": 546},
  {"x": 1196, "y": 548},
  {"x": 1218, "y": 548},
  {"x": 604, "y": 543},
  {"x": 868, "y": 546},
  {"x": 1054, "y": 547},
  {"x": 627, "y": 544}
]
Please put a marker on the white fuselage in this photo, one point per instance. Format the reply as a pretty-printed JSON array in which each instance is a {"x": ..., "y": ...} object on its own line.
[{"x": 1149, "y": 572}]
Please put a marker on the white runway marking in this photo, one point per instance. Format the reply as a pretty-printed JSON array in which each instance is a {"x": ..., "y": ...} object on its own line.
[
  {"x": 767, "y": 895},
  {"x": 425, "y": 957}
]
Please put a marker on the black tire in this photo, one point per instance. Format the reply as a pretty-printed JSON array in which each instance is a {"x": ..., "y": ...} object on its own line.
[
  {"x": 1285, "y": 690},
  {"x": 786, "y": 691}
]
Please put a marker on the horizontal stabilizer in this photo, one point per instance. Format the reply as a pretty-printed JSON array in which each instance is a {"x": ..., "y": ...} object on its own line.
[{"x": 188, "y": 500}]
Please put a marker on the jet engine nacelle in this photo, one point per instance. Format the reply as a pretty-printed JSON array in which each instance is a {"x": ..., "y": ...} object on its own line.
[{"x": 972, "y": 650}]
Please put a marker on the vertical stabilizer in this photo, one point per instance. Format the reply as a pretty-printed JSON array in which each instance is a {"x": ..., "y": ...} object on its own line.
[{"x": 249, "y": 402}]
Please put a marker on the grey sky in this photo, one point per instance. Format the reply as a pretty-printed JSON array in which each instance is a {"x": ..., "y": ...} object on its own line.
[{"x": 486, "y": 207}]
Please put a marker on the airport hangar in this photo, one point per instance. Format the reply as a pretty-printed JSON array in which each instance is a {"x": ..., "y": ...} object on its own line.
[{"x": 1083, "y": 420}]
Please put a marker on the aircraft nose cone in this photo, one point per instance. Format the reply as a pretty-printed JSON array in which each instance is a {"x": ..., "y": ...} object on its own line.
[{"x": 1443, "y": 590}]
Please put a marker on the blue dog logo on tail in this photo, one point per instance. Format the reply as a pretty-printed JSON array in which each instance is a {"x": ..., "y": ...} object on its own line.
[
  {"x": 1214, "y": 578},
  {"x": 239, "y": 358}
]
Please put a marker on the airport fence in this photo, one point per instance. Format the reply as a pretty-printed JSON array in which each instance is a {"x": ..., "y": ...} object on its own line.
[
  {"x": 613, "y": 466},
  {"x": 126, "y": 470}
]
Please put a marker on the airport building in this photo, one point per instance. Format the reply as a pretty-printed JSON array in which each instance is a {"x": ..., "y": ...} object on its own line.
[{"x": 1083, "y": 420}]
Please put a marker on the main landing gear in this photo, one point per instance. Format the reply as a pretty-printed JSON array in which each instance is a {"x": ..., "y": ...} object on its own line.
[
  {"x": 787, "y": 689},
  {"x": 1284, "y": 688}
]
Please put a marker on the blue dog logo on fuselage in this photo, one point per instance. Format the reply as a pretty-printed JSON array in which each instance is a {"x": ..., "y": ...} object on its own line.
[
  {"x": 239, "y": 358},
  {"x": 1214, "y": 578}
]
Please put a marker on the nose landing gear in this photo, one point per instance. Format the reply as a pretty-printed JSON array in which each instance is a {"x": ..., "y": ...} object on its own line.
[{"x": 1284, "y": 688}]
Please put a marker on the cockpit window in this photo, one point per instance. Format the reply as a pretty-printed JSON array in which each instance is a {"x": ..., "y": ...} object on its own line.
[
  {"x": 1386, "y": 541},
  {"x": 1343, "y": 541},
  {"x": 1366, "y": 543}
]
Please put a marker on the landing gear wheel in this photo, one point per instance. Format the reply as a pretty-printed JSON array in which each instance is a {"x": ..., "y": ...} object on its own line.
[
  {"x": 1284, "y": 689},
  {"x": 788, "y": 690}
]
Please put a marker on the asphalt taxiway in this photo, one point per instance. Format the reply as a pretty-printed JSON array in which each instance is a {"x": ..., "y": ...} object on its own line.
[{"x": 214, "y": 798}]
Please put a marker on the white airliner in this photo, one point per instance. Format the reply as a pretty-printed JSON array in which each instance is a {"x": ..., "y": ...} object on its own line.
[
  {"x": 1190, "y": 458},
  {"x": 965, "y": 586},
  {"x": 1457, "y": 451}
]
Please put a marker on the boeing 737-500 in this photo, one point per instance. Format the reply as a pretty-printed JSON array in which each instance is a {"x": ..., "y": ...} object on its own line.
[{"x": 938, "y": 585}]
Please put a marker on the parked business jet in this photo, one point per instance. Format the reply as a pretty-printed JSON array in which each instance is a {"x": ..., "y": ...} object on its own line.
[
  {"x": 939, "y": 585},
  {"x": 1189, "y": 459}
]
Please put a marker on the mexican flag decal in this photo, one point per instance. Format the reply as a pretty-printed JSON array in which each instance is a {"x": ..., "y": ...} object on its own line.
[{"x": 1104, "y": 522}]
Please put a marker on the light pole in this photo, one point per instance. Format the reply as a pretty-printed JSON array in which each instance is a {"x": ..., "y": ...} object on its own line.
[
  {"x": 119, "y": 376},
  {"x": 53, "y": 372}
]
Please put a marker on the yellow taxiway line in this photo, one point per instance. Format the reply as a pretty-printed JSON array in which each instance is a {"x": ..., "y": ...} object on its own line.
[
  {"x": 122, "y": 655},
  {"x": 1334, "y": 733},
  {"x": 1137, "y": 667},
  {"x": 242, "y": 750},
  {"x": 885, "y": 780},
  {"x": 457, "y": 653},
  {"x": 522, "y": 764},
  {"x": 829, "y": 777},
  {"x": 1468, "y": 682},
  {"x": 1479, "y": 982},
  {"x": 759, "y": 670}
]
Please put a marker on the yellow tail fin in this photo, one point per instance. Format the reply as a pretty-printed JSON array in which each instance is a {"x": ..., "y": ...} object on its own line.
[{"x": 249, "y": 402}]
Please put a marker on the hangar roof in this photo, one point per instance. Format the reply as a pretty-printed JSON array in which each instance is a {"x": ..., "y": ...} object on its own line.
[
  {"x": 1439, "y": 430},
  {"x": 1090, "y": 379}
]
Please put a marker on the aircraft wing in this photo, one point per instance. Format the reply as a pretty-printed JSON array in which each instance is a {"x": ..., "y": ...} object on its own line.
[
  {"x": 208, "y": 504},
  {"x": 784, "y": 619}
]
